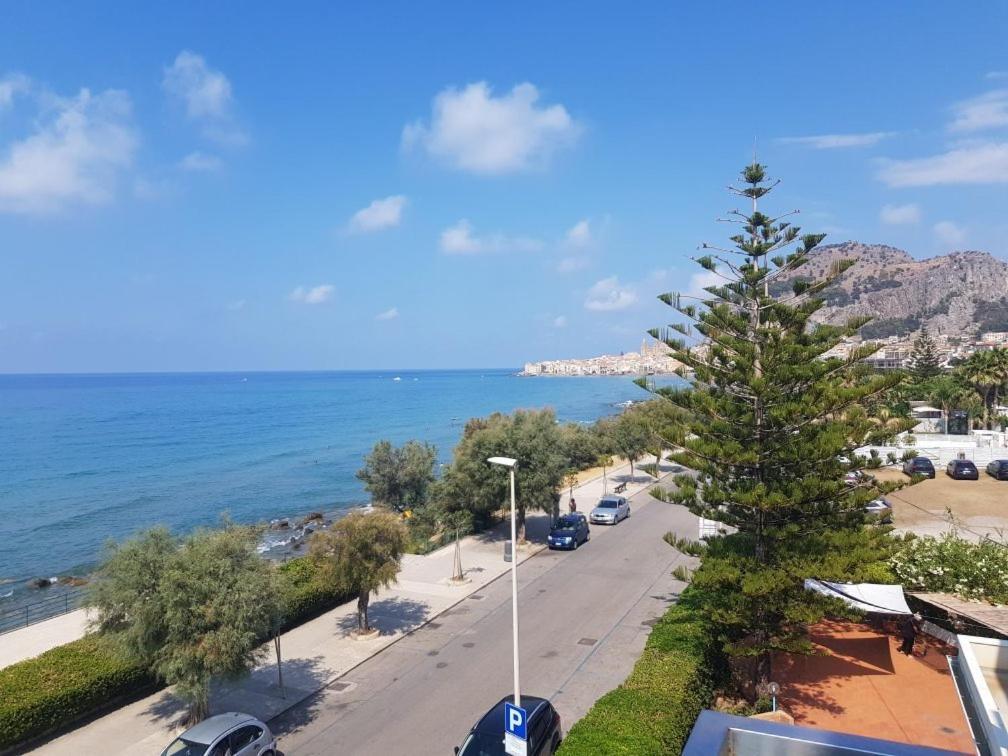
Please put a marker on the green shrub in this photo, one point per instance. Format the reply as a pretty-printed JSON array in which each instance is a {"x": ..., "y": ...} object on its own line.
[
  {"x": 950, "y": 564},
  {"x": 654, "y": 709},
  {"x": 685, "y": 545},
  {"x": 67, "y": 683},
  {"x": 662, "y": 494},
  {"x": 305, "y": 594}
]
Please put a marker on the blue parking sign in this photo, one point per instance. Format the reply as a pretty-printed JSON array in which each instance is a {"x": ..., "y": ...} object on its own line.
[{"x": 515, "y": 721}]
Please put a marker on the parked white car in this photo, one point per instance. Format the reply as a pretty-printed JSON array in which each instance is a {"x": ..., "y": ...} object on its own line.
[
  {"x": 610, "y": 510},
  {"x": 230, "y": 734}
]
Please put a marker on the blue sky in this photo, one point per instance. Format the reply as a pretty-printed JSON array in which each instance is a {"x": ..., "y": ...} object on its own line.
[{"x": 240, "y": 186}]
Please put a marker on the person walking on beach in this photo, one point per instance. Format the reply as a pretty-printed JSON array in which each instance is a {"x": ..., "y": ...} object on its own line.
[
  {"x": 909, "y": 627},
  {"x": 572, "y": 505}
]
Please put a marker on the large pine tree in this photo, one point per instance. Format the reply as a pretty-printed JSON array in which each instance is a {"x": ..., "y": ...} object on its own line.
[
  {"x": 771, "y": 427},
  {"x": 925, "y": 360}
]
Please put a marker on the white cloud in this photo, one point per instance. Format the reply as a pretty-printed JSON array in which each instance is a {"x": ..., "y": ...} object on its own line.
[
  {"x": 980, "y": 163},
  {"x": 460, "y": 240},
  {"x": 380, "y": 214},
  {"x": 560, "y": 321},
  {"x": 11, "y": 85},
  {"x": 474, "y": 131},
  {"x": 200, "y": 162},
  {"x": 390, "y": 314},
  {"x": 949, "y": 233},
  {"x": 572, "y": 264},
  {"x": 699, "y": 281},
  {"x": 314, "y": 295},
  {"x": 579, "y": 235},
  {"x": 76, "y": 154},
  {"x": 838, "y": 141},
  {"x": 608, "y": 295},
  {"x": 900, "y": 214},
  {"x": 986, "y": 111},
  {"x": 206, "y": 94}
]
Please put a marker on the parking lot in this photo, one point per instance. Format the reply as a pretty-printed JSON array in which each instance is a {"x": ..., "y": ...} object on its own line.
[{"x": 979, "y": 507}]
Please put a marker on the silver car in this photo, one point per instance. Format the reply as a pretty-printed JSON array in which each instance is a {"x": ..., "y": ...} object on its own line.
[
  {"x": 879, "y": 509},
  {"x": 610, "y": 510},
  {"x": 230, "y": 734}
]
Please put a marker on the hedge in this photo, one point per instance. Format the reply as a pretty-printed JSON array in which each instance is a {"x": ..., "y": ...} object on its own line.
[
  {"x": 306, "y": 596},
  {"x": 78, "y": 680},
  {"x": 654, "y": 709},
  {"x": 64, "y": 685}
]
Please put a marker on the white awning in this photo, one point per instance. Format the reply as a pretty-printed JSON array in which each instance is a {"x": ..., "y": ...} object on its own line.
[
  {"x": 925, "y": 408},
  {"x": 867, "y": 597}
]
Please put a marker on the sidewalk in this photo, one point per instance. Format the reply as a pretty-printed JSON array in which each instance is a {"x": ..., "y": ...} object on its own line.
[
  {"x": 318, "y": 652},
  {"x": 33, "y": 640}
]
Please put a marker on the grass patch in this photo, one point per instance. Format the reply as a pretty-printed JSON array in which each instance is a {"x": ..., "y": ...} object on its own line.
[
  {"x": 654, "y": 709},
  {"x": 685, "y": 545},
  {"x": 662, "y": 494}
]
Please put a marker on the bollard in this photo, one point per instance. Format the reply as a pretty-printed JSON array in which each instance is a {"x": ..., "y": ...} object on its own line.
[{"x": 508, "y": 551}]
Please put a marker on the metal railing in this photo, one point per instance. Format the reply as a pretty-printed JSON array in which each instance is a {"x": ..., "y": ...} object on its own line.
[{"x": 23, "y": 615}]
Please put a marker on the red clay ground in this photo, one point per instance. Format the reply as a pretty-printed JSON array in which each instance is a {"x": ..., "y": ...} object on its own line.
[{"x": 864, "y": 686}]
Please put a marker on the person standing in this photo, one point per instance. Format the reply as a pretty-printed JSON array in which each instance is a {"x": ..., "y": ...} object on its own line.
[
  {"x": 572, "y": 505},
  {"x": 909, "y": 628}
]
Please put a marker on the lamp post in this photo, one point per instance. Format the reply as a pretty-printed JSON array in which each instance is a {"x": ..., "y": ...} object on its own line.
[{"x": 510, "y": 464}]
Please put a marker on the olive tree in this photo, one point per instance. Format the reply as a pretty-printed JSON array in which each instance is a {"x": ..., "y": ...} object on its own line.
[
  {"x": 189, "y": 608},
  {"x": 361, "y": 553}
]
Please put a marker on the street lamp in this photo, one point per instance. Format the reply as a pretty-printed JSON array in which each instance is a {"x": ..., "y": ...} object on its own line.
[{"x": 510, "y": 464}]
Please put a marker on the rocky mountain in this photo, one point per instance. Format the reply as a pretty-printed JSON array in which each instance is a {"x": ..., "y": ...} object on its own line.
[{"x": 954, "y": 293}]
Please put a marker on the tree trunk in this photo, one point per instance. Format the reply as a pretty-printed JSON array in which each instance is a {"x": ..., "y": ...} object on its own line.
[
  {"x": 520, "y": 523},
  {"x": 199, "y": 704},
  {"x": 763, "y": 669},
  {"x": 362, "y": 607}
]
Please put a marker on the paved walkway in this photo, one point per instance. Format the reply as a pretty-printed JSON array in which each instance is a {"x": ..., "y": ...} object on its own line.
[
  {"x": 319, "y": 651},
  {"x": 30, "y": 641}
]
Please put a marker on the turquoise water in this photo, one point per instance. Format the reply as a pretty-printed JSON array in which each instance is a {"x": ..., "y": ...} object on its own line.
[{"x": 85, "y": 458}]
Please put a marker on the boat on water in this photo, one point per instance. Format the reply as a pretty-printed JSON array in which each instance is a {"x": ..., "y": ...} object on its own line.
[{"x": 397, "y": 378}]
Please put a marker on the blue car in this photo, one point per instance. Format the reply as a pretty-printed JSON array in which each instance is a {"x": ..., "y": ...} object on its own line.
[{"x": 569, "y": 531}]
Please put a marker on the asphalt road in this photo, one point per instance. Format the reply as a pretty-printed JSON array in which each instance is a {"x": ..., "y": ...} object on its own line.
[{"x": 584, "y": 618}]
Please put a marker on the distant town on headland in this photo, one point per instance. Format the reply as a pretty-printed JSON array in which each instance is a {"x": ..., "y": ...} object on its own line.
[{"x": 653, "y": 359}]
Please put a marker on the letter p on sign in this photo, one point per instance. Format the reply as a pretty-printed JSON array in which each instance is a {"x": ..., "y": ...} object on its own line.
[{"x": 515, "y": 721}]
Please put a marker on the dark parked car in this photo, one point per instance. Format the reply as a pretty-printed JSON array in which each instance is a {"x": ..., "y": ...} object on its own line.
[
  {"x": 543, "y": 729},
  {"x": 962, "y": 469},
  {"x": 569, "y": 531},
  {"x": 919, "y": 466},
  {"x": 998, "y": 469}
]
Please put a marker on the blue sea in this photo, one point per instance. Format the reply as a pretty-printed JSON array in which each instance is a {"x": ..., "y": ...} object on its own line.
[{"x": 86, "y": 458}]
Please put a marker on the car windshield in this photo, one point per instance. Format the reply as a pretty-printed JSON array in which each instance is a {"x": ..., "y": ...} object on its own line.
[
  {"x": 483, "y": 744},
  {"x": 567, "y": 521},
  {"x": 921, "y": 463},
  {"x": 183, "y": 747},
  {"x": 607, "y": 504},
  {"x": 965, "y": 465}
]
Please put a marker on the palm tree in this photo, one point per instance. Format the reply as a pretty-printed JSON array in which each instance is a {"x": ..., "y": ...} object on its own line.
[
  {"x": 999, "y": 364},
  {"x": 981, "y": 370},
  {"x": 949, "y": 394}
]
